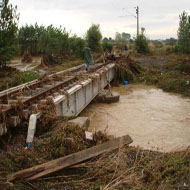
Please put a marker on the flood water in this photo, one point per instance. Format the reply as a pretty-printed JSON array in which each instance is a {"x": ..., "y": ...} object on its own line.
[{"x": 154, "y": 119}]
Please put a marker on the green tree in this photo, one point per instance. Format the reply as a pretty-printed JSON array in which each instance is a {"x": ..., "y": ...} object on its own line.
[
  {"x": 8, "y": 32},
  {"x": 125, "y": 37},
  {"x": 141, "y": 42},
  {"x": 107, "y": 46},
  {"x": 184, "y": 33},
  {"x": 122, "y": 37},
  {"x": 76, "y": 45},
  {"x": 94, "y": 37},
  {"x": 29, "y": 37},
  {"x": 54, "y": 43}
]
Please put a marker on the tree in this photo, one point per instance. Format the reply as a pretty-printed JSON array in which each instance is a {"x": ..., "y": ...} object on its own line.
[
  {"x": 107, "y": 46},
  {"x": 54, "y": 43},
  {"x": 141, "y": 42},
  {"x": 171, "y": 41},
  {"x": 29, "y": 37},
  {"x": 184, "y": 33},
  {"x": 76, "y": 45},
  {"x": 118, "y": 37},
  {"x": 8, "y": 31},
  {"x": 125, "y": 37},
  {"x": 94, "y": 37},
  {"x": 106, "y": 39}
]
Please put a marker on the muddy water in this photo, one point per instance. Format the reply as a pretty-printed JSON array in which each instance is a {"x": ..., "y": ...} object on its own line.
[{"x": 154, "y": 119}]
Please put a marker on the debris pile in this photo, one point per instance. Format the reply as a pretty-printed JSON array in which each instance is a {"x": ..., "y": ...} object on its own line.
[
  {"x": 126, "y": 68},
  {"x": 62, "y": 140},
  {"x": 124, "y": 168}
]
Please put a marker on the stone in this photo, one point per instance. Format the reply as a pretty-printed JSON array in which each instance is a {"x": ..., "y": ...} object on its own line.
[
  {"x": 82, "y": 122},
  {"x": 108, "y": 97}
]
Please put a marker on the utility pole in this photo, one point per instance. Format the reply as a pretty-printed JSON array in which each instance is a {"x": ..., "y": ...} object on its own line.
[{"x": 137, "y": 11}]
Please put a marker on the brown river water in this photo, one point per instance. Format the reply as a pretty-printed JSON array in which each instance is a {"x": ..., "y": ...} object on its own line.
[{"x": 155, "y": 120}]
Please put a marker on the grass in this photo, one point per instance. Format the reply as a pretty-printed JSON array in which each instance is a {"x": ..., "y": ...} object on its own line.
[
  {"x": 66, "y": 65},
  {"x": 11, "y": 77},
  {"x": 170, "y": 73}
]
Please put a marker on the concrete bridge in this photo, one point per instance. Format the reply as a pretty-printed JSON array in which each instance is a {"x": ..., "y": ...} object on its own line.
[{"x": 77, "y": 97}]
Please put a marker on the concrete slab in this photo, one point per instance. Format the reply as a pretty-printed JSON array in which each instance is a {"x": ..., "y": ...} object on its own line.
[
  {"x": 105, "y": 96},
  {"x": 82, "y": 122}
]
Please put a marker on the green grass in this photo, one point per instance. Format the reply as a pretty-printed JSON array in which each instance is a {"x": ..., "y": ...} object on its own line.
[{"x": 13, "y": 78}]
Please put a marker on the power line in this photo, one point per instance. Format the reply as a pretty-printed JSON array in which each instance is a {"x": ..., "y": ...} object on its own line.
[
  {"x": 129, "y": 12},
  {"x": 135, "y": 16}
]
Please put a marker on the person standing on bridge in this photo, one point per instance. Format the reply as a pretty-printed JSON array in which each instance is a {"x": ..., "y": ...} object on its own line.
[{"x": 88, "y": 57}]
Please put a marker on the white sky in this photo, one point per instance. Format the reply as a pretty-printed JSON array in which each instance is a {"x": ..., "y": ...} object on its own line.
[{"x": 159, "y": 17}]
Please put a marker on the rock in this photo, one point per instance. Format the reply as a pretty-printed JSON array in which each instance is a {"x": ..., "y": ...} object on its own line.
[{"x": 82, "y": 122}]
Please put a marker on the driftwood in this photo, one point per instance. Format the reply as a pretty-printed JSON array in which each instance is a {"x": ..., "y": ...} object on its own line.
[{"x": 70, "y": 160}]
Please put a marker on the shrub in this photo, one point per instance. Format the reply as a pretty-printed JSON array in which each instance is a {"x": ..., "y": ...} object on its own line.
[
  {"x": 185, "y": 67},
  {"x": 76, "y": 45},
  {"x": 184, "y": 33},
  {"x": 141, "y": 43},
  {"x": 29, "y": 37},
  {"x": 107, "y": 46},
  {"x": 54, "y": 43},
  {"x": 94, "y": 37}
]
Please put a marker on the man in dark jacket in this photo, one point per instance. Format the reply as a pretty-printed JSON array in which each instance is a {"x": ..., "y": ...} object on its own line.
[{"x": 88, "y": 57}]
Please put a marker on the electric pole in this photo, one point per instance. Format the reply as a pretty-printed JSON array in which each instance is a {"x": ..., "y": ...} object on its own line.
[{"x": 137, "y": 11}]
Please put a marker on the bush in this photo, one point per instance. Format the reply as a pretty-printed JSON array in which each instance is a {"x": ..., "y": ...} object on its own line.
[
  {"x": 29, "y": 37},
  {"x": 54, "y": 43},
  {"x": 107, "y": 46},
  {"x": 141, "y": 43},
  {"x": 158, "y": 44},
  {"x": 183, "y": 33},
  {"x": 76, "y": 45},
  {"x": 94, "y": 37},
  {"x": 185, "y": 67}
]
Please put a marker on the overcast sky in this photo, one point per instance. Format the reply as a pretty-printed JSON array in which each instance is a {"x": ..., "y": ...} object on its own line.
[{"x": 159, "y": 17}]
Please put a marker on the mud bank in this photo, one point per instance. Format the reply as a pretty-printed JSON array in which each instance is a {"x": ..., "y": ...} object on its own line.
[{"x": 154, "y": 119}]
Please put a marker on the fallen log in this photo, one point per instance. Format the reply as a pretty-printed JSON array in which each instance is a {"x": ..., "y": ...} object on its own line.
[{"x": 70, "y": 160}]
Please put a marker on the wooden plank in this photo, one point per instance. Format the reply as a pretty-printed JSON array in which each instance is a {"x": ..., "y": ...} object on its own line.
[{"x": 70, "y": 160}]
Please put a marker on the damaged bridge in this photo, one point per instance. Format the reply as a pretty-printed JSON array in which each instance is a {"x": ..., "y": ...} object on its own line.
[{"x": 71, "y": 91}]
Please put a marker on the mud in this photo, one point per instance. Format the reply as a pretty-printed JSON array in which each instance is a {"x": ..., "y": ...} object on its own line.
[{"x": 154, "y": 119}]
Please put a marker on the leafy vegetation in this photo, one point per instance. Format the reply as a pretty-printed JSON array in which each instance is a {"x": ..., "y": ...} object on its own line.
[
  {"x": 94, "y": 37},
  {"x": 29, "y": 38},
  {"x": 16, "y": 78},
  {"x": 8, "y": 30},
  {"x": 172, "y": 76},
  {"x": 141, "y": 42},
  {"x": 54, "y": 44},
  {"x": 107, "y": 46},
  {"x": 76, "y": 45},
  {"x": 184, "y": 33}
]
